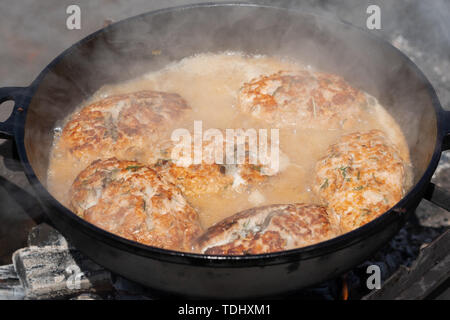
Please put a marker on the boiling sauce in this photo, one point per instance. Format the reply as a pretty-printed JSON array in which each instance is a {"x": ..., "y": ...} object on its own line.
[{"x": 210, "y": 84}]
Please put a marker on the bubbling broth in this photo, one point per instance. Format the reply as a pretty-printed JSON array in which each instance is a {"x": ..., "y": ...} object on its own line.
[{"x": 210, "y": 84}]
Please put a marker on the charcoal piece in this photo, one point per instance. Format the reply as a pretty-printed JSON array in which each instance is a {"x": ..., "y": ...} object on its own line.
[
  {"x": 56, "y": 272},
  {"x": 44, "y": 235},
  {"x": 10, "y": 287}
]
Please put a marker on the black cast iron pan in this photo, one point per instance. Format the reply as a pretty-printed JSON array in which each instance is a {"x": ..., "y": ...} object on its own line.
[{"x": 117, "y": 53}]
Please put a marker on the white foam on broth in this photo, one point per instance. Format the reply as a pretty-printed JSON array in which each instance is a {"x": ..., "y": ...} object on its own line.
[{"x": 210, "y": 84}]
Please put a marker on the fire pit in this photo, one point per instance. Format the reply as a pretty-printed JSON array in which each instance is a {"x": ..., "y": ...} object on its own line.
[{"x": 414, "y": 265}]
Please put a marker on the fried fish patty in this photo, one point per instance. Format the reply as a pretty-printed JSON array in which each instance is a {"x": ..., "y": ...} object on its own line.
[
  {"x": 305, "y": 98},
  {"x": 268, "y": 229},
  {"x": 214, "y": 174},
  {"x": 121, "y": 125},
  {"x": 361, "y": 177},
  {"x": 131, "y": 200},
  {"x": 195, "y": 179}
]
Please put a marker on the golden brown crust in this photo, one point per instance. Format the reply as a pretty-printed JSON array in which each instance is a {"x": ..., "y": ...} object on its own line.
[
  {"x": 304, "y": 98},
  {"x": 210, "y": 177},
  {"x": 268, "y": 229},
  {"x": 197, "y": 179},
  {"x": 131, "y": 200},
  {"x": 361, "y": 177},
  {"x": 120, "y": 124}
]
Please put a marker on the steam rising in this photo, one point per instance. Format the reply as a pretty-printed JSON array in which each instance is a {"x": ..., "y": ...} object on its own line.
[{"x": 144, "y": 45}]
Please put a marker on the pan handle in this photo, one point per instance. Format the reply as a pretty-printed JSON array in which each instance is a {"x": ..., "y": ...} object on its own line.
[
  {"x": 433, "y": 193},
  {"x": 438, "y": 196},
  {"x": 9, "y": 94},
  {"x": 446, "y": 142}
]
